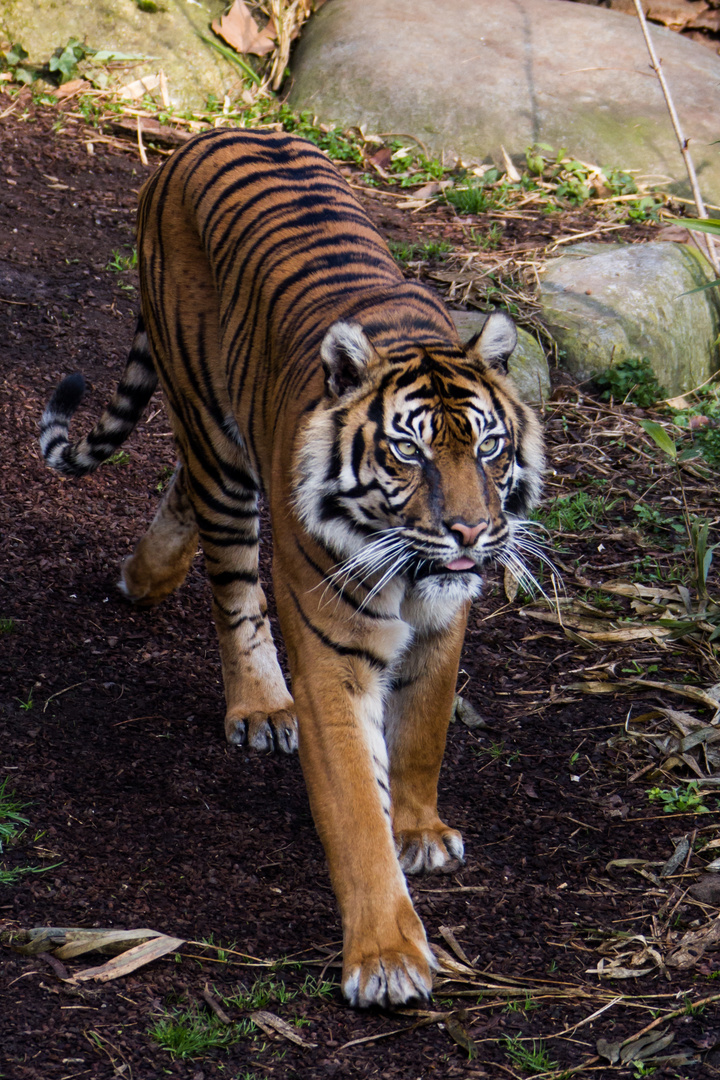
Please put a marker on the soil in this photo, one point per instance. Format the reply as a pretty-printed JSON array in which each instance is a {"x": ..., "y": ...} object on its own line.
[{"x": 140, "y": 814}]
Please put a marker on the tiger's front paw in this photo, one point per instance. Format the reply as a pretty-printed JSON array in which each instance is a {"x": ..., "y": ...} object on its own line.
[
  {"x": 390, "y": 979},
  {"x": 263, "y": 731},
  {"x": 425, "y": 850},
  {"x": 375, "y": 974}
]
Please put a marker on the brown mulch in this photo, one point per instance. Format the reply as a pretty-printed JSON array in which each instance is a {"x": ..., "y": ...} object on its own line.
[{"x": 111, "y": 732}]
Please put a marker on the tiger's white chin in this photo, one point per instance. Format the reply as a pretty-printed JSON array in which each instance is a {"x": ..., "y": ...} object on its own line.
[{"x": 432, "y": 602}]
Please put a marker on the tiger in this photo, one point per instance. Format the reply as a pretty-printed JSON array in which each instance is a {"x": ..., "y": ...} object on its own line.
[{"x": 298, "y": 365}]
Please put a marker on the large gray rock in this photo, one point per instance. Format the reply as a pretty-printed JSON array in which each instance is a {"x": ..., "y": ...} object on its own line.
[
  {"x": 469, "y": 77},
  {"x": 527, "y": 367},
  {"x": 170, "y": 35},
  {"x": 605, "y": 303}
]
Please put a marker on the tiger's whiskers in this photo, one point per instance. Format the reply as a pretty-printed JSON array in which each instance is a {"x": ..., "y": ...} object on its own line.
[
  {"x": 521, "y": 544},
  {"x": 385, "y": 555}
]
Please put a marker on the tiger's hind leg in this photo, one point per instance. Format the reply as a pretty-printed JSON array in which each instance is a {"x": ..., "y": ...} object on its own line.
[{"x": 163, "y": 556}]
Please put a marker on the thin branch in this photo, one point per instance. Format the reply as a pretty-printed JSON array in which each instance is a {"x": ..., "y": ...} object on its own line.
[{"x": 682, "y": 141}]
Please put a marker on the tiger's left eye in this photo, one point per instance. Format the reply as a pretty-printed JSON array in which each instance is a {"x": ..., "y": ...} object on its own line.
[
  {"x": 406, "y": 449},
  {"x": 489, "y": 446}
]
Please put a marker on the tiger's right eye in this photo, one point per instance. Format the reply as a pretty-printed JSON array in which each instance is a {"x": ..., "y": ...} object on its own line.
[{"x": 406, "y": 449}]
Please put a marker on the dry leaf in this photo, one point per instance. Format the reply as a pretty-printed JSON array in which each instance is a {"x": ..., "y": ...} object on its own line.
[
  {"x": 448, "y": 965},
  {"x": 512, "y": 174},
  {"x": 676, "y": 234},
  {"x": 271, "y": 1025},
  {"x": 69, "y": 88},
  {"x": 467, "y": 714},
  {"x": 447, "y": 933},
  {"x": 647, "y": 1047},
  {"x": 609, "y": 1050},
  {"x": 510, "y": 585},
  {"x": 427, "y": 191},
  {"x": 707, "y": 890},
  {"x": 677, "y": 857},
  {"x": 131, "y": 960},
  {"x": 241, "y": 31},
  {"x": 694, "y": 944},
  {"x": 381, "y": 158},
  {"x": 459, "y": 1035},
  {"x": 66, "y": 942},
  {"x": 135, "y": 90}
]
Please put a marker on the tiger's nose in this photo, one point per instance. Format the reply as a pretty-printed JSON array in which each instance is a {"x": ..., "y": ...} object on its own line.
[{"x": 467, "y": 534}]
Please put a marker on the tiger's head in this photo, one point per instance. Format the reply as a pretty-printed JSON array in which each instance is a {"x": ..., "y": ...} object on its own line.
[{"x": 420, "y": 463}]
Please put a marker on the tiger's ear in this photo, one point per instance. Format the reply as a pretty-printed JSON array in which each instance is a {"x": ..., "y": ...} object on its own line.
[
  {"x": 346, "y": 354},
  {"x": 495, "y": 342}
]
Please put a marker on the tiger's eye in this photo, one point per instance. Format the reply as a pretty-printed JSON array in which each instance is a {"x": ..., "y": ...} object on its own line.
[
  {"x": 489, "y": 446},
  {"x": 406, "y": 449}
]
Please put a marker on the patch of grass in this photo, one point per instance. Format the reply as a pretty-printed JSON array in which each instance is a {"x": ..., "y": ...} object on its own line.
[
  {"x": 653, "y": 520},
  {"x": 597, "y": 598},
  {"x": 637, "y": 669},
  {"x": 319, "y": 988},
  {"x": 531, "y": 1058},
  {"x": 569, "y": 181},
  {"x": 701, "y": 420},
  {"x": 649, "y": 569},
  {"x": 164, "y": 477},
  {"x": 220, "y": 950},
  {"x": 7, "y": 626},
  {"x": 13, "y": 876},
  {"x": 642, "y": 1068},
  {"x": 339, "y": 145},
  {"x": 679, "y": 800},
  {"x": 120, "y": 457},
  {"x": 190, "y": 1033},
  {"x": 26, "y": 704},
  {"x": 633, "y": 380},
  {"x": 13, "y": 824},
  {"x": 574, "y": 513},
  {"x": 120, "y": 263},
  {"x": 476, "y": 194},
  {"x": 405, "y": 253},
  {"x": 693, "y": 1010},
  {"x": 263, "y": 992},
  {"x": 516, "y": 1005},
  {"x": 495, "y": 750},
  {"x": 489, "y": 240}
]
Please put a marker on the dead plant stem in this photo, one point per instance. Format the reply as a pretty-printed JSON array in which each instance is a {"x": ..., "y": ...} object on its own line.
[{"x": 682, "y": 141}]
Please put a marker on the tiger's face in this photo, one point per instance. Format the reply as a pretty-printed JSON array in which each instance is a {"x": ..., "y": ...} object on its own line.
[{"x": 418, "y": 467}]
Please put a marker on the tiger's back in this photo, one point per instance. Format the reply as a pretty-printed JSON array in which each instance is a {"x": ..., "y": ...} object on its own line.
[
  {"x": 396, "y": 462},
  {"x": 266, "y": 240}
]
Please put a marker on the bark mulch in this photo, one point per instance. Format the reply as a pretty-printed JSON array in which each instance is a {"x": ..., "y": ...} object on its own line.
[{"x": 140, "y": 816}]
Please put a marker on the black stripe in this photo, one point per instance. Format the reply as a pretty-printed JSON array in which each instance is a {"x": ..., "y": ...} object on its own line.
[
  {"x": 231, "y": 577},
  {"x": 342, "y": 650}
]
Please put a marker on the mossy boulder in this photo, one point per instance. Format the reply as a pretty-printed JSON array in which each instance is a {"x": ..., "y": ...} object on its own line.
[
  {"x": 468, "y": 78},
  {"x": 170, "y": 36},
  {"x": 605, "y": 303}
]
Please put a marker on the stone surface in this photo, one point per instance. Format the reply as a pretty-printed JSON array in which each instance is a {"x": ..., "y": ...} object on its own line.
[
  {"x": 468, "y": 78},
  {"x": 528, "y": 366},
  {"x": 605, "y": 303},
  {"x": 193, "y": 70}
]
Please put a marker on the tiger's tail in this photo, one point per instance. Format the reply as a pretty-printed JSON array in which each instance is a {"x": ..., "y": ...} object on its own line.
[{"x": 119, "y": 420}]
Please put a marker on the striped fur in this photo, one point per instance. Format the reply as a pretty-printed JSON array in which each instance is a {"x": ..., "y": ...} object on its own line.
[{"x": 296, "y": 361}]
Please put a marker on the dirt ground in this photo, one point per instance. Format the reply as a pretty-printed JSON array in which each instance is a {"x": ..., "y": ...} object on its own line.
[{"x": 141, "y": 816}]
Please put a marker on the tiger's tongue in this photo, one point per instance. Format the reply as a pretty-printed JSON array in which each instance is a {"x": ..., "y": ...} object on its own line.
[{"x": 460, "y": 564}]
